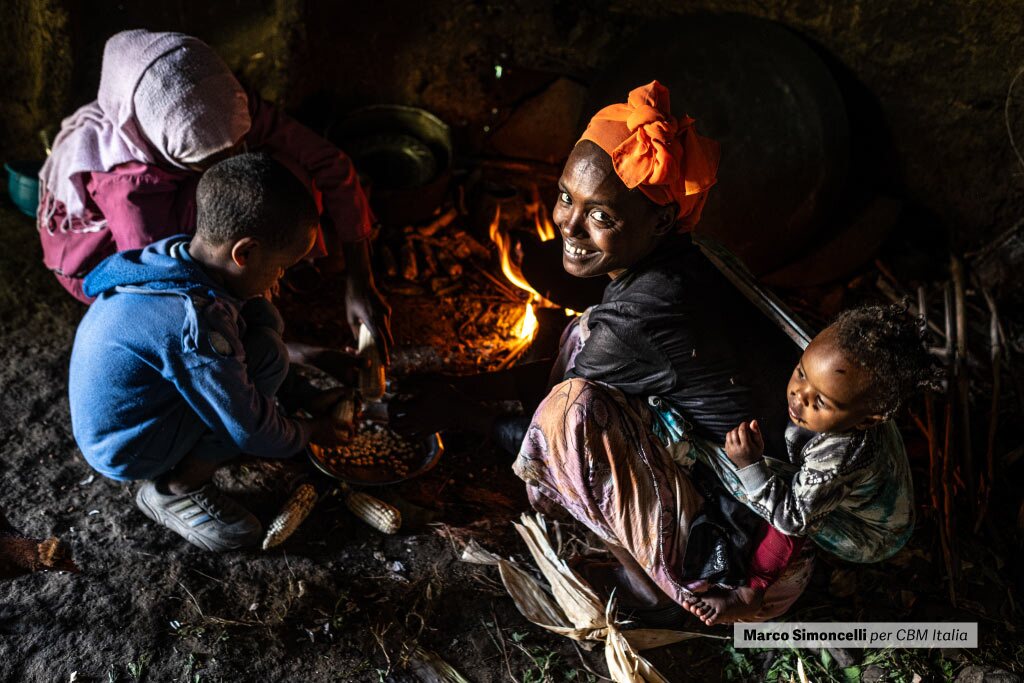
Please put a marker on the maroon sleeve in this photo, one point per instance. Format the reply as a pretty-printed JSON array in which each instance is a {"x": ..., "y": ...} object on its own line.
[
  {"x": 143, "y": 205},
  {"x": 346, "y": 210}
]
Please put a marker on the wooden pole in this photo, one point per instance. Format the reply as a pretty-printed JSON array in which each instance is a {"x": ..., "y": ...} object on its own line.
[
  {"x": 995, "y": 351},
  {"x": 946, "y": 536},
  {"x": 929, "y": 413},
  {"x": 963, "y": 398}
]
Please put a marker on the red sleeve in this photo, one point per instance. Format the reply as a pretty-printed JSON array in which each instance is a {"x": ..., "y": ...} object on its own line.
[
  {"x": 346, "y": 210},
  {"x": 141, "y": 205}
]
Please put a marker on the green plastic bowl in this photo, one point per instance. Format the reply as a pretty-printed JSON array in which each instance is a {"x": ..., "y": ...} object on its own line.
[{"x": 23, "y": 185}]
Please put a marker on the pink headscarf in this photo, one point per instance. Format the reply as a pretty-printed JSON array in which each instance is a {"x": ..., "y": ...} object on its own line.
[
  {"x": 164, "y": 98},
  {"x": 652, "y": 150}
]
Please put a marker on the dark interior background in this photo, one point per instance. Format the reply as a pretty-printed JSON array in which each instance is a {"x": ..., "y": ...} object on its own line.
[{"x": 933, "y": 77}]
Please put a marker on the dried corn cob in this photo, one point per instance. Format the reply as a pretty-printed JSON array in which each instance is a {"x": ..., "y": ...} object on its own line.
[
  {"x": 295, "y": 510},
  {"x": 371, "y": 378},
  {"x": 345, "y": 413},
  {"x": 373, "y": 511}
]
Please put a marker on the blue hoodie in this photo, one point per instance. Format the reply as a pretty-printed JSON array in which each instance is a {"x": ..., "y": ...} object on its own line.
[{"x": 158, "y": 352}]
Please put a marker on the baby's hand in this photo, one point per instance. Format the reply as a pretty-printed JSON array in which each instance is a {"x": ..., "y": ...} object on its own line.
[{"x": 744, "y": 445}]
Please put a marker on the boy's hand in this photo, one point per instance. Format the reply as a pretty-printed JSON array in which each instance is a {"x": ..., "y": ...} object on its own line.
[{"x": 744, "y": 445}]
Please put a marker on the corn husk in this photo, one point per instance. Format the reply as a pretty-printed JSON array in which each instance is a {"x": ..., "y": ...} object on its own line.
[
  {"x": 430, "y": 668},
  {"x": 372, "y": 379},
  {"x": 568, "y": 606}
]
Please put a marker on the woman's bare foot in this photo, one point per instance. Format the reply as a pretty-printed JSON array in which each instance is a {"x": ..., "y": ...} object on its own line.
[{"x": 721, "y": 606}]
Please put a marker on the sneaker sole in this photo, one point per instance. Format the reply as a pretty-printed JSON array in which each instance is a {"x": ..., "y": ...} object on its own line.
[{"x": 203, "y": 543}]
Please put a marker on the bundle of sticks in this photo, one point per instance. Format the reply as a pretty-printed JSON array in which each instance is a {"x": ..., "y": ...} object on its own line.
[
  {"x": 430, "y": 255},
  {"x": 442, "y": 259},
  {"x": 952, "y": 463}
]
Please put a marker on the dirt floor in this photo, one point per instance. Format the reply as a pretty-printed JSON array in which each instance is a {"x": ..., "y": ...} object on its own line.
[{"x": 339, "y": 601}]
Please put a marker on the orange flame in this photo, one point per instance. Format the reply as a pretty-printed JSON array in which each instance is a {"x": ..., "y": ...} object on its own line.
[
  {"x": 504, "y": 244},
  {"x": 541, "y": 220},
  {"x": 527, "y": 327}
]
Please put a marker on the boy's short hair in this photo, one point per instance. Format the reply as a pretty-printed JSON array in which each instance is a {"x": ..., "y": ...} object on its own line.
[
  {"x": 251, "y": 195},
  {"x": 890, "y": 345}
]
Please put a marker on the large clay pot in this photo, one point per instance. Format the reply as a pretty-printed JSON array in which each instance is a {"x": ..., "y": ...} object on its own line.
[{"x": 762, "y": 93}]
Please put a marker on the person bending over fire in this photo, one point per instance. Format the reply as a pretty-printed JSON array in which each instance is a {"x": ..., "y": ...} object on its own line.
[
  {"x": 124, "y": 168},
  {"x": 668, "y": 355}
]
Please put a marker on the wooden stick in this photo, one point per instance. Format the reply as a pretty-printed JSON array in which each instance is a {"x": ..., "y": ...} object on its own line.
[
  {"x": 518, "y": 350},
  {"x": 995, "y": 351},
  {"x": 929, "y": 416},
  {"x": 499, "y": 284},
  {"x": 896, "y": 297},
  {"x": 963, "y": 382},
  {"x": 946, "y": 528}
]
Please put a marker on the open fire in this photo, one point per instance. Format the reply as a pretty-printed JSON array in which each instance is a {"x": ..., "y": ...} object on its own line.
[
  {"x": 545, "y": 228},
  {"x": 526, "y": 329}
]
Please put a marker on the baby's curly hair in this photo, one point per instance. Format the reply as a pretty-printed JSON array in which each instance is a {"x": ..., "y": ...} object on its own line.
[{"x": 889, "y": 344}]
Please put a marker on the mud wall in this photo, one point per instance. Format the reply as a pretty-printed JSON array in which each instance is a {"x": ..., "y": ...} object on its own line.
[
  {"x": 35, "y": 65},
  {"x": 938, "y": 71}
]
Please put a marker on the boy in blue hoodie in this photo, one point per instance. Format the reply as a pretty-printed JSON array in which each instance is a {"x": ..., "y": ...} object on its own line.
[{"x": 176, "y": 364}]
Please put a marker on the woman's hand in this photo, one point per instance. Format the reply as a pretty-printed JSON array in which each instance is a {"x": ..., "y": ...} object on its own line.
[
  {"x": 336, "y": 407},
  {"x": 363, "y": 303},
  {"x": 342, "y": 364},
  {"x": 326, "y": 402},
  {"x": 326, "y": 432},
  {"x": 745, "y": 445}
]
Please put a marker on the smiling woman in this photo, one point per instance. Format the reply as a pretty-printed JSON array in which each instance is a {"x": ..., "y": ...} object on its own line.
[
  {"x": 671, "y": 353},
  {"x": 593, "y": 210}
]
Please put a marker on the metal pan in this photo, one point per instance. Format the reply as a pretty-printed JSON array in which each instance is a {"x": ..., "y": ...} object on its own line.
[{"x": 431, "y": 450}]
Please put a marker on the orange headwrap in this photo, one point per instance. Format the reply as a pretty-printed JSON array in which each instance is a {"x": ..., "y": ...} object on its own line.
[{"x": 657, "y": 153}]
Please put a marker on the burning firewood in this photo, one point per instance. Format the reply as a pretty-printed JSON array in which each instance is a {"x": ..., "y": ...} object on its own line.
[
  {"x": 387, "y": 259},
  {"x": 410, "y": 269},
  {"x": 464, "y": 247},
  {"x": 442, "y": 221},
  {"x": 20, "y": 554},
  {"x": 447, "y": 262},
  {"x": 429, "y": 262}
]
